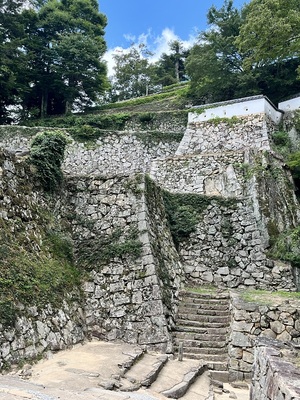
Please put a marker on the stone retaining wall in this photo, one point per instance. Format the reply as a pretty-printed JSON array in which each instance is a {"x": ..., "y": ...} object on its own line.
[
  {"x": 129, "y": 296},
  {"x": 227, "y": 249},
  {"x": 275, "y": 375},
  {"x": 210, "y": 174},
  {"x": 279, "y": 321},
  {"x": 37, "y": 331},
  {"x": 223, "y": 135},
  {"x": 112, "y": 154}
]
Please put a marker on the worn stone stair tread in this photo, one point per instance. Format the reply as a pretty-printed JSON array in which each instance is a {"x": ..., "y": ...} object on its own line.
[
  {"x": 190, "y": 293},
  {"x": 204, "y": 350},
  {"x": 144, "y": 372},
  {"x": 206, "y": 357},
  {"x": 200, "y": 389},
  {"x": 201, "y": 330},
  {"x": 203, "y": 318},
  {"x": 204, "y": 337},
  {"x": 202, "y": 324},
  {"x": 177, "y": 376},
  {"x": 203, "y": 311},
  {"x": 202, "y": 343}
]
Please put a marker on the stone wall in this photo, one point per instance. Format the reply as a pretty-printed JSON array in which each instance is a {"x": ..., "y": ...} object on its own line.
[
  {"x": 112, "y": 154},
  {"x": 117, "y": 154},
  {"x": 130, "y": 295},
  {"x": 279, "y": 321},
  {"x": 36, "y": 331},
  {"x": 275, "y": 375},
  {"x": 223, "y": 135},
  {"x": 210, "y": 174},
  {"x": 28, "y": 331},
  {"x": 227, "y": 250}
]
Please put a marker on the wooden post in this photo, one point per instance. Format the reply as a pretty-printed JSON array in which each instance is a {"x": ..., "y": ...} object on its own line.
[{"x": 180, "y": 351}]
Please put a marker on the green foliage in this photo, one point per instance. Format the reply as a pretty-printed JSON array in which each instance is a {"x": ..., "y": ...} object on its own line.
[
  {"x": 294, "y": 164},
  {"x": 29, "y": 276},
  {"x": 145, "y": 118},
  {"x": 268, "y": 298},
  {"x": 85, "y": 125},
  {"x": 287, "y": 247},
  {"x": 47, "y": 154},
  {"x": 279, "y": 17},
  {"x": 50, "y": 56},
  {"x": 281, "y": 138},
  {"x": 93, "y": 253},
  {"x": 228, "y": 121},
  {"x": 225, "y": 63},
  {"x": 184, "y": 210},
  {"x": 179, "y": 92}
]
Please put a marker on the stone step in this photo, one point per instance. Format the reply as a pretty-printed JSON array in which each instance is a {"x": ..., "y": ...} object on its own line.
[
  {"x": 208, "y": 306},
  {"x": 204, "y": 350},
  {"x": 177, "y": 376},
  {"x": 212, "y": 295},
  {"x": 211, "y": 302},
  {"x": 210, "y": 331},
  {"x": 219, "y": 375},
  {"x": 199, "y": 337},
  {"x": 208, "y": 358},
  {"x": 201, "y": 324},
  {"x": 200, "y": 343},
  {"x": 204, "y": 318},
  {"x": 203, "y": 311},
  {"x": 144, "y": 372}
]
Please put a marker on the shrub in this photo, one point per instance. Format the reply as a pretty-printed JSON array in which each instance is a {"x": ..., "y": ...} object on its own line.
[{"x": 47, "y": 153}]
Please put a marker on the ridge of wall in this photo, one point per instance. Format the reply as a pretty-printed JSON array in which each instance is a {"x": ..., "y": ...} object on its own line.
[{"x": 275, "y": 375}]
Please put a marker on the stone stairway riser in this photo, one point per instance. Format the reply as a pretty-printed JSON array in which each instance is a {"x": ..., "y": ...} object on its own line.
[
  {"x": 203, "y": 318},
  {"x": 200, "y": 344},
  {"x": 199, "y": 337},
  {"x": 202, "y": 330},
  {"x": 203, "y": 350},
  {"x": 202, "y": 324},
  {"x": 210, "y": 358},
  {"x": 203, "y": 311}
]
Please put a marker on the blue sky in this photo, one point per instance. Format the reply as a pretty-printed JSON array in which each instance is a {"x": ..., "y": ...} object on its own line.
[{"x": 154, "y": 22}]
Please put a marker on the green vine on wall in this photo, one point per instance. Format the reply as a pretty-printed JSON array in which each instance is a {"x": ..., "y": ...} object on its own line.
[
  {"x": 184, "y": 210},
  {"x": 47, "y": 154}
]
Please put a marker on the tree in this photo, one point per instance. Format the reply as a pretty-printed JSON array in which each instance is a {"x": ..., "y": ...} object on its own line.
[
  {"x": 12, "y": 26},
  {"x": 170, "y": 68},
  {"x": 215, "y": 63},
  {"x": 64, "y": 47},
  {"x": 271, "y": 32},
  {"x": 133, "y": 73},
  {"x": 222, "y": 65},
  {"x": 50, "y": 56}
]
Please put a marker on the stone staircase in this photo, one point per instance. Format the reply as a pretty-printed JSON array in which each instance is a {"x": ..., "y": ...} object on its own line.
[{"x": 202, "y": 326}]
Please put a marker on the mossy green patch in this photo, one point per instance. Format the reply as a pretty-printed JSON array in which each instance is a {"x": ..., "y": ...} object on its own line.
[
  {"x": 264, "y": 297},
  {"x": 47, "y": 154},
  {"x": 184, "y": 212},
  {"x": 94, "y": 253},
  {"x": 286, "y": 247}
]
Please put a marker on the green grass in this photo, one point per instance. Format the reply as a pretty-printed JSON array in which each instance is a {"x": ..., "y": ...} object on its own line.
[
  {"x": 205, "y": 289},
  {"x": 176, "y": 92},
  {"x": 268, "y": 297}
]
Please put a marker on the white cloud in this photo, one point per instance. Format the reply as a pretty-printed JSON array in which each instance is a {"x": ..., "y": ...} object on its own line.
[{"x": 156, "y": 44}]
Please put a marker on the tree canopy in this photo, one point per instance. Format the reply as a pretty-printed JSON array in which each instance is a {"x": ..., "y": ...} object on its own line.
[
  {"x": 53, "y": 56},
  {"x": 270, "y": 32},
  {"x": 254, "y": 50}
]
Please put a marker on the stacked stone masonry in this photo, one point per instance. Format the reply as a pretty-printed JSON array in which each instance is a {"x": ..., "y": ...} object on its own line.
[
  {"x": 226, "y": 135},
  {"x": 124, "y": 295},
  {"x": 279, "y": 321},
  {"x": 135, "y": 298},
  {"x": 275, "y": 375}
]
